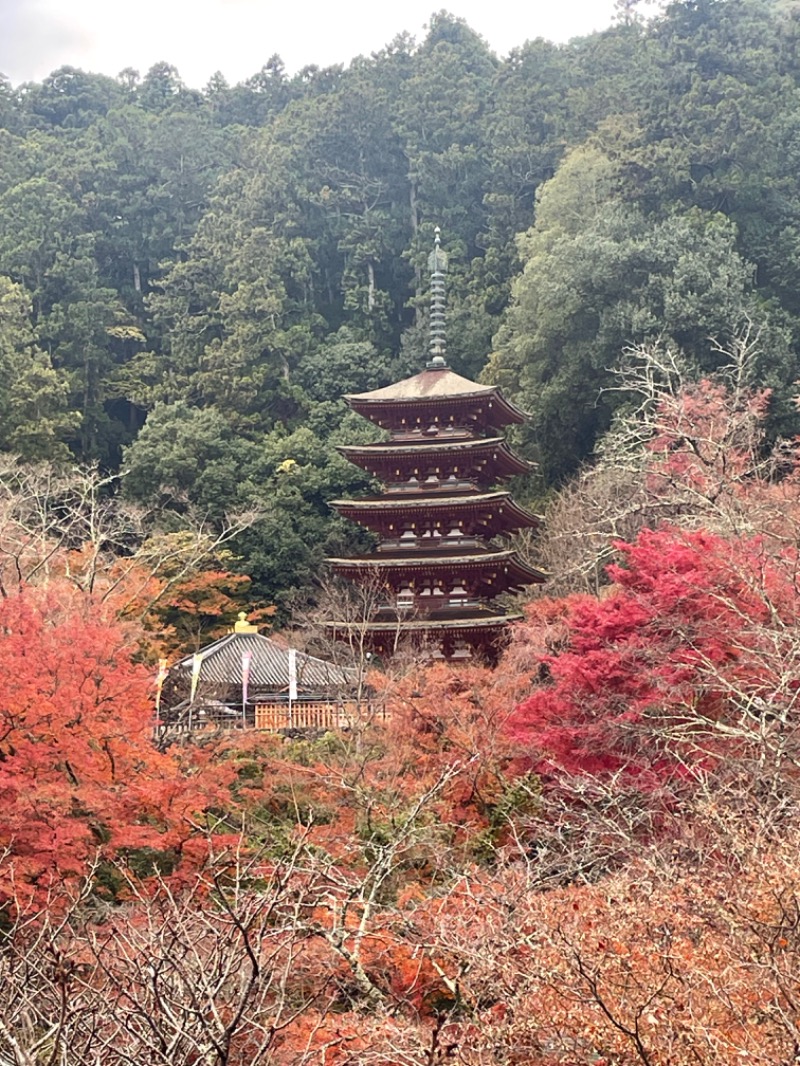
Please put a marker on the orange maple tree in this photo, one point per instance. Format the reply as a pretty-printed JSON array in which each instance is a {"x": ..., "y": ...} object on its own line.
[{"x": 79, "y": 776}]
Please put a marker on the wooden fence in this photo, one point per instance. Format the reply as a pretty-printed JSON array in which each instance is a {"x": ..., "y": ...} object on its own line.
[
  {"x": 273, "y": 716},
  {"x": 316, "y": 714}
]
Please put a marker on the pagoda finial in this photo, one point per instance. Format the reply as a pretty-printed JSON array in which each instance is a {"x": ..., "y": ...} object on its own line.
[{"x": 437, "y": 264}]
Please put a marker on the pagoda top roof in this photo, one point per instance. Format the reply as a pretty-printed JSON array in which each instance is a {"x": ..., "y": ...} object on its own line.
[{"x": 437, "y": 382}]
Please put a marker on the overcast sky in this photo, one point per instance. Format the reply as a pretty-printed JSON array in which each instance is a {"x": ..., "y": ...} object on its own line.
[{"x": 237, "y": 37}]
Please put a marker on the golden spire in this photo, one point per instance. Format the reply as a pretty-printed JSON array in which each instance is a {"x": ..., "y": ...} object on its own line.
[{"x": 243, "y": 626}]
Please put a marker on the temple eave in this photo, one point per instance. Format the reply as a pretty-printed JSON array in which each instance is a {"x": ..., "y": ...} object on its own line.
[
  {"x": 503, "y": 569},
  {"x": 429, "y": 625},
  {"x": 496, "y": 508}
]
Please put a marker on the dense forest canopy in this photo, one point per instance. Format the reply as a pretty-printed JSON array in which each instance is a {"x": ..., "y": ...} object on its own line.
[{"x": 190, "y": 280}]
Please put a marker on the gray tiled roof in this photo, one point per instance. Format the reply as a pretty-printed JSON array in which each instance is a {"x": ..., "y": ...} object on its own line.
[{"x": 269, "y": 670}]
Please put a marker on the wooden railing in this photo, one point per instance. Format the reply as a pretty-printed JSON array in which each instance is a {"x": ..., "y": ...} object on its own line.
[
  {"x": 311, "y": 715},
  {"x": 276, "y": 716}
]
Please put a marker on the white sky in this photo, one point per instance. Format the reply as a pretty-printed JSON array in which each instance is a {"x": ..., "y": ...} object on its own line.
[{"x": 238, "y": 36}]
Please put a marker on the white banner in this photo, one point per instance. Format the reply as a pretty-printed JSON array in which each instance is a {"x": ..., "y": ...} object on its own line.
[
  {"x": 161, "y": 677},
  {"x": 292, "y": 674},
  {"x": 247, "y": 659},
  {"x": 197, "y": 662}
]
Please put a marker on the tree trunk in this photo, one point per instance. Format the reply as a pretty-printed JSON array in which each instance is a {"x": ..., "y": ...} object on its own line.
[{"x": 414, "y": 228}]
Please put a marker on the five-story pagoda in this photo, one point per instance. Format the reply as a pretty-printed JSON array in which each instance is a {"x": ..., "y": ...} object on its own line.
[{"x": 437, "y": 564}]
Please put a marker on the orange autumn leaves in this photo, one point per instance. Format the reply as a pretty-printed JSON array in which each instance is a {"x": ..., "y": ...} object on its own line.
[
  {"x": 79, "y": 776},
  {"x": 585, "y": 857}
]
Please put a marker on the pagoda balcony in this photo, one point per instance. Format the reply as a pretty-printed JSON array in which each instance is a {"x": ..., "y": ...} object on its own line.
[
  {"x": 435, "y": 431},
  {"x": 438, "y": 550},
  {"x": 398, "y": 519},
  {"x": 473, "y": 609},
  {"x": 482, "y": 459},
  {"x": 425, "y": 543},
  {"x": 485, "y": 573},
  {"x": 439, "y": 485}
]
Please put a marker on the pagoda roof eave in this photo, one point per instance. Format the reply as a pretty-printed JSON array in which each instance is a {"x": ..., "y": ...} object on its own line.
[
  {"x": 509, "y": 412},
  {"x": 524, "y": 574},
  {"x": 419, "y": 447},
  {"x": 399, "y": 503},
  {"x": 448, "y": 504},
  {"x": 423, "y": 625},
  {"x": 482, "y": 558},
  {"x": 360, "y": 454}
]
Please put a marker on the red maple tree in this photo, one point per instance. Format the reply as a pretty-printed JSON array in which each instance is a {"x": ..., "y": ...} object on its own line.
[
  {"x": 690, "y": 659},
  {"x": 79, "y": 776}
]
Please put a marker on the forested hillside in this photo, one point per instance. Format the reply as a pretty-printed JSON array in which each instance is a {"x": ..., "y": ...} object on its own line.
[{"x": 189, "y": 280}]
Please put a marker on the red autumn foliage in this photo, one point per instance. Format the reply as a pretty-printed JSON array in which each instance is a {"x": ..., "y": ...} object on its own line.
[
  {"x": 79, "y": 775},
  {"x": 657, "y": 965},
  {"x": 198, "y": 609},
  {"x": 395, "y": 895},
  {"x": 691, "y": 630},
  {"x": 707, "y": 439},
  {"x": 442, "y": 743}
]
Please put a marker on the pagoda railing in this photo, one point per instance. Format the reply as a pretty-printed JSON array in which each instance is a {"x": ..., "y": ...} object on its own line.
[
  {"x": 422, "y": 487},
  {"x": 431, "y": 542},
  {"x": 435, "y": 605}
]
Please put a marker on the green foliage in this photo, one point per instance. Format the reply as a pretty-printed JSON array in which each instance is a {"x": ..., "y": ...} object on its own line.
[
  {"x": 185, "y": 452},
  {"x": 35, "y": 419},
  {"x": 343, "y": 364},
  {"x": 219, "y": 267},
  {"x": 600, "y": 276},
  {"x": 191, "y": 456}
]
